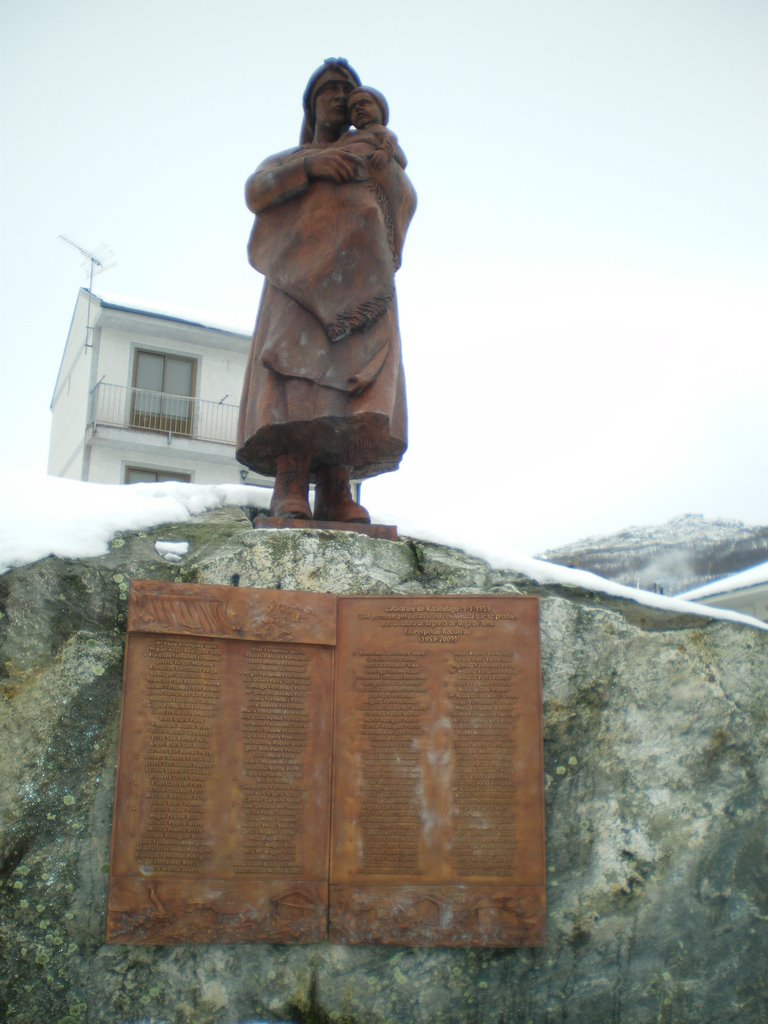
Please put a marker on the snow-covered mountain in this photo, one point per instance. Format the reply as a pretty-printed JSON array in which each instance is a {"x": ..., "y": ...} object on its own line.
[{"x": 685, "y": 552}]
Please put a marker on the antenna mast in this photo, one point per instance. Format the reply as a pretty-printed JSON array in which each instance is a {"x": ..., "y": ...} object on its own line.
[{"x": 103, "y": 259}]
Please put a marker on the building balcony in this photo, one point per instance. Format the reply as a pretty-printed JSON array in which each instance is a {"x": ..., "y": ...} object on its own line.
[{"x": 158, "y": 413}]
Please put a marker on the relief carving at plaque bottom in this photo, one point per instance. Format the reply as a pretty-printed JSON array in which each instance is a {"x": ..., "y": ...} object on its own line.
[
  {"x": 444, "y": 915},
  {"x": 162, "y": 911}
]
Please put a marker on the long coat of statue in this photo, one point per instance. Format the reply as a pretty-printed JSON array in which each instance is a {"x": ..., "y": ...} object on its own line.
[{"x": 325, "y": 371}]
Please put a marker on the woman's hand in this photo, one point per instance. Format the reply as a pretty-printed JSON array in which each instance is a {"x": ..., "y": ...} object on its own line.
[{"x": 333, "y": 164}]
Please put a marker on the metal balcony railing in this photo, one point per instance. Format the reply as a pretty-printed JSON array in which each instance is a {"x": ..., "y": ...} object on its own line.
[{"x": 135, "y": 408}]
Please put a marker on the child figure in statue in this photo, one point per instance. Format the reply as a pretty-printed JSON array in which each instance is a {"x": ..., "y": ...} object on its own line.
[{"x": 369, "y": 115}]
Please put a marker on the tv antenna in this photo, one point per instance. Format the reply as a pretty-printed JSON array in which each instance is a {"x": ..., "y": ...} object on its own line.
[{"x": 96, "y": 262}]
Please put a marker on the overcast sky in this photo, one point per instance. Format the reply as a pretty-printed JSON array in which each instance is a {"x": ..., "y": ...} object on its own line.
[{"x": 583, "y": 294}]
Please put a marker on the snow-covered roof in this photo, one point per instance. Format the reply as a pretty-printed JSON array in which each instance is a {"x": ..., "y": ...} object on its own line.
[
  {"x": 186, "y": 316},
  {"x": 754, "y": 577},
  {"x": 177, "y": 320},
  {"x": 43, "y": 515}
]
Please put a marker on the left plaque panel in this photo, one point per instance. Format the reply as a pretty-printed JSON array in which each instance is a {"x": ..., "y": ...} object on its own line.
[{"x": 222, "y": 797}]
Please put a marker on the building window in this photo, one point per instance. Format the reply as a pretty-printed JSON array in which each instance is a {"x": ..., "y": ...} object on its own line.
[
  {"x": 163, "y": 388},
  {"x": 139, "y": 475}
]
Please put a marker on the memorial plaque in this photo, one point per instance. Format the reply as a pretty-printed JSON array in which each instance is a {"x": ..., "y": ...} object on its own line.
[
  {"x": 225, "y": 829},
  {"x": 438, "y": 827},
  {"x": 223, "y": 789}
]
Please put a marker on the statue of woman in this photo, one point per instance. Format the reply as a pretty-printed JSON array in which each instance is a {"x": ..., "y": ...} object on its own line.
[{"x": 324, "y": 392}]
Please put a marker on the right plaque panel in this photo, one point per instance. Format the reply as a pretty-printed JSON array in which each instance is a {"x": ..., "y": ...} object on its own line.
[{"x": 437, "y": 829}]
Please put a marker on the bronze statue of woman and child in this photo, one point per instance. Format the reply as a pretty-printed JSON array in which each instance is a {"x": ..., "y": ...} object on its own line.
[{"x": 324, "y": 393}]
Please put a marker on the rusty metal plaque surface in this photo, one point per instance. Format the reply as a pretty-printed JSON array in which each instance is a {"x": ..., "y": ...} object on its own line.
[
  {"x": 438, "y": 825},
  {"x": 225, "y": 826},
  {"x": 223, "y": 790}
]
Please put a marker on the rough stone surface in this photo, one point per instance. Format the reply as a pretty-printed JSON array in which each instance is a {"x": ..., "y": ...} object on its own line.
[{"x": 656, "y": 774}]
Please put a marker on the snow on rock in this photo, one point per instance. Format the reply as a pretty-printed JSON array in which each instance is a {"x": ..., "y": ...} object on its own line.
[
  {"x": 559, "y": 575},
  {"x": 172, "y": 551},
  {"x": 686, "y": 552},
  {"x": 753, "y": 577},
  {"x": 45, "y": 515}
]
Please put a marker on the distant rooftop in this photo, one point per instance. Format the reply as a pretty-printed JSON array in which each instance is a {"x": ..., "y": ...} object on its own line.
[
  {"x": 180, "y": 315},
  {"x": 754, "y": 577}
]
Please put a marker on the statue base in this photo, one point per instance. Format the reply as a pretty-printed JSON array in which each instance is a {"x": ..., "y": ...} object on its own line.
[{"x": 375, "y": 530}]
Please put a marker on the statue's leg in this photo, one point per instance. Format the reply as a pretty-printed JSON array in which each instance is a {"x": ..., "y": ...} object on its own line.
[
  {"x": 290, "y": 498},
  {"x": 333, "y": 497}
]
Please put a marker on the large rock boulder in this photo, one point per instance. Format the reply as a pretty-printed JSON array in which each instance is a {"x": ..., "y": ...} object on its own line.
[{"x": 656, "y": 769}]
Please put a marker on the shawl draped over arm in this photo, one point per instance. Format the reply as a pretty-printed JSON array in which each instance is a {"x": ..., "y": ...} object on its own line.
[{"x": 334, "y": 249}]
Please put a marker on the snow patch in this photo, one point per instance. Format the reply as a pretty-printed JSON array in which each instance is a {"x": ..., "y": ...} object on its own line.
[
  {"x": 753, "y": 577},
  {"x": 45, "y": 515},
  {"x": 172, "y": 551}
]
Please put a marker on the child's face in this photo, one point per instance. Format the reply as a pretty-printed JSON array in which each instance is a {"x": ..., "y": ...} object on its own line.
[{"x": 364, "y": 110}]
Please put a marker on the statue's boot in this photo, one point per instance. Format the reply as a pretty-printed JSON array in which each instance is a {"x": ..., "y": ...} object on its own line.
[
  {"x": 333, "y": 497},
  {"x": 290, "y": 497}
]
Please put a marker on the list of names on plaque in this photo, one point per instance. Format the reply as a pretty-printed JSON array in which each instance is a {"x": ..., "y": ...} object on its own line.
[
  {"x": 243, "y": 709},
  {"x": 435, "y": 844},
  {"x": 275, "y": 727},
  {"x": 392, "y": 691},
  {"x": 183, "y": 685},
  {"x": 483, "y": 719}
]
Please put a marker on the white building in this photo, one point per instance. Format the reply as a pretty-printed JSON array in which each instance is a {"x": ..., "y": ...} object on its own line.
[
  {"x": 745, "y": 592},
  {"x": 143, "y": 397}
]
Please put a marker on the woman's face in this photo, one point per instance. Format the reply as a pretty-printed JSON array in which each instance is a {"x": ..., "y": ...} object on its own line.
[{"x": 330, "y": 102}]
